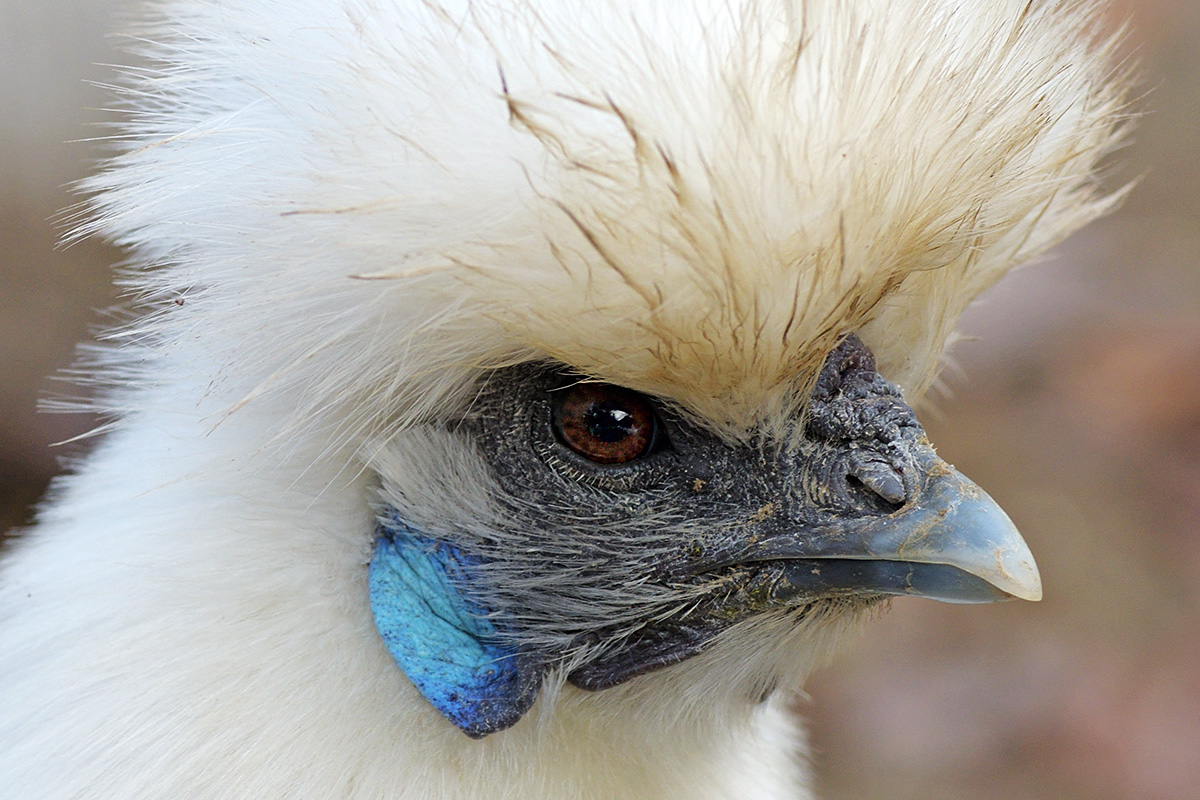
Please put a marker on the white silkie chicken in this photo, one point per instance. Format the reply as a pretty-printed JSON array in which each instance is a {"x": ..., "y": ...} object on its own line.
[{"x": 531, "y": 369}]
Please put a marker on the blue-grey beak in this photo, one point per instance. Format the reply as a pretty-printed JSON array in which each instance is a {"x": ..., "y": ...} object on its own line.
[{"x": 950, "y": 542}]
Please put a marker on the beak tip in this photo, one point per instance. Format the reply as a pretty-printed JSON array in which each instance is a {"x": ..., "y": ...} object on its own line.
[
  {"x": 1023, "y": 582},
  {"x": 1030, "y": 592},
  {"x": 1014, "y": 571},
  {"x": 974, "y": 534}
]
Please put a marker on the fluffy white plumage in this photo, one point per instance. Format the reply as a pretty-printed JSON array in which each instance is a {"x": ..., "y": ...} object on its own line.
[{"x": 346, "y": 212}]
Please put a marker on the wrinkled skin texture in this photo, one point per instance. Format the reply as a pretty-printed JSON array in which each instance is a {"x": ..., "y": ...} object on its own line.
[{"x": 687, "y": 533}]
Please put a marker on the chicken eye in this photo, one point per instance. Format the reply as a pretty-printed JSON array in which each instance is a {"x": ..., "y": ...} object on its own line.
[{"x": 604, "y": 423}]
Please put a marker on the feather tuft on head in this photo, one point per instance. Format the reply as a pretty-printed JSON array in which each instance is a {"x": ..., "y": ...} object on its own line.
[{"x": 695, "y": 210}]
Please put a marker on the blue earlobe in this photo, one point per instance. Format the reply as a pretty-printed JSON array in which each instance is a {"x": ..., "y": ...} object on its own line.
[{"x": 446, "y": 644}]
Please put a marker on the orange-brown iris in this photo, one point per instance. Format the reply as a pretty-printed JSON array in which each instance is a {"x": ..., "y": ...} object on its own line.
[{"x": 604, "y": 423}]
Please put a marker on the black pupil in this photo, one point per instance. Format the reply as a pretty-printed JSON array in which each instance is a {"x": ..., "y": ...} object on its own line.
[{"x": 608, "y": 423}]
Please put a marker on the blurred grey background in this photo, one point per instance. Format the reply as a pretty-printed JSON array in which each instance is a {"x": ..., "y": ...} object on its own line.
[{"x": 1076, "y": 403}]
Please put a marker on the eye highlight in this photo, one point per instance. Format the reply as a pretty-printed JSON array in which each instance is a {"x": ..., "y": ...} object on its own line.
[{"x": 604, "y": 423}]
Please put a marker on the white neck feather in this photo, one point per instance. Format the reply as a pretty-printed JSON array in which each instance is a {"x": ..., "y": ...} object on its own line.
[{"x": 201, "y": 622}]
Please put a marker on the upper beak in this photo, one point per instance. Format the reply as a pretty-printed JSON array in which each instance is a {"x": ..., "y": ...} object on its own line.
[{"x": 951, "y": 542}]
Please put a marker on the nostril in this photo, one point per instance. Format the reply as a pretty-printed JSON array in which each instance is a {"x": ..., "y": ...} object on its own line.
[{"x": 881, "y": 479}]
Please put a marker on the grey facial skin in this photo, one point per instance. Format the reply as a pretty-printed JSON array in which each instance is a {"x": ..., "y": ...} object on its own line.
[{"x": 646, "y": 562}]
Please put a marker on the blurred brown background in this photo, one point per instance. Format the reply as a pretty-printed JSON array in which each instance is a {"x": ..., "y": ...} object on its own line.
[{"x": 1077, "y": 406}]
